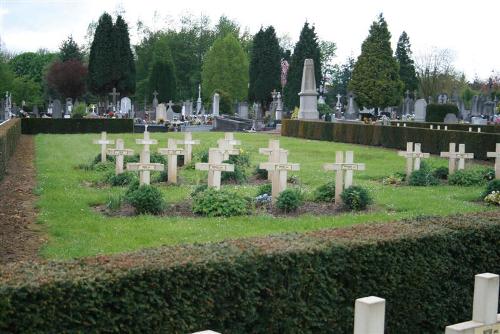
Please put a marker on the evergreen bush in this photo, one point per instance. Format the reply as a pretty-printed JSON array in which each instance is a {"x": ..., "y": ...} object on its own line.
[
  {"x": 325, "y": 193},
  {"x": 356, "y": 198},
  {"x": 146, "y": 199},
  {"x": 493, "y": 185},
  {"x": 289, "y": 200},
  {"x": 219, "y": 203}
]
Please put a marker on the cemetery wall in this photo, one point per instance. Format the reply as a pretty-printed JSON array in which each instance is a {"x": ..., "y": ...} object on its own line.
[
  {"x": 10, "y": 132},
  {"x": 433, "y": 141},
  {"x": 34, "y": 126},
  {"x": 291, "y": 283}
]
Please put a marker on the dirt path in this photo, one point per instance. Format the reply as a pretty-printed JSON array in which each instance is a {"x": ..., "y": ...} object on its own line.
[{"x": 20, "y": 238}]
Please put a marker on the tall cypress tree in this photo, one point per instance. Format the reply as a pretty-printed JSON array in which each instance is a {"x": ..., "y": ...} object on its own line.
[
  {"x": 375, "y": 78},
  {"x": 162, "y": 79},
  {"x": 101, "y": 57},
  {"x": 69, "y": 50},
  {"x": 265, "y": 68},
  {"x": 306, "y": 47},
  {"x": 406, "y": 64},
  {"x": 123, "y": 59}
]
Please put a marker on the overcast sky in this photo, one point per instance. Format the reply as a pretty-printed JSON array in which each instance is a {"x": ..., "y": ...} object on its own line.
[{"x": 469, "y": 28}]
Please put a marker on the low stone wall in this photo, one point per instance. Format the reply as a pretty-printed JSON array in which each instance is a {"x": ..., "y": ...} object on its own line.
[{"x": 10, "y": 132}]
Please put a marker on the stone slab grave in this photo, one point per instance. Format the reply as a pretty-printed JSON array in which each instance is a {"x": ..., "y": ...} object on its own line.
[
  {"x": 215, "y": 167},
  {"x": 496, "y": 155},
  {"x": 188, "y": 143},
  {"x": 344, "y": 171},
  {"x": 279, "y": 170},
  {"x": 453, "y": 156},
  {"x": 226, "y": 145},
  {"x": 144, "y": 166},
  {"x": 103, "y": 142},
  {"x": 172, "y": 151},
  {"x": 369, "y": 315},
  {"x": 485, "y": 317},
  {"x": 273, "y": 152},
  {"x": 413, "y": 157},
  {"x": 119, "y": 152}
]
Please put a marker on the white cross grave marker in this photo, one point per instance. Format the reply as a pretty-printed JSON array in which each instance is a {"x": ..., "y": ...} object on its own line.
[
  {"x": 369, "y": 315},
  {"x": 454, "y": 156},
  {"x": 188, "y": 143},
  {"x": 344, "y": 171},
  {"x": 146, "y": 141},
  {"x": 172, "y": 152},
  {"x": 145, "y": 167},
  {"x": 413, "y": 157},
  {"x": 273, "y": 152},
  {"x": 279, "y": 170},
  {"x": 119, "y": 152},
  {"x": 227, "y": 144},
  {"x": 496, "y": 155},
  {"x": 214, "y": 167},
  {"x": 103, "y": 142},
  {"x": 485, "y": 319}
]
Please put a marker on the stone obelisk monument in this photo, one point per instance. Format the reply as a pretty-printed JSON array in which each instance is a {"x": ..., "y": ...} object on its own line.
[{"x": 308, "y": 95}]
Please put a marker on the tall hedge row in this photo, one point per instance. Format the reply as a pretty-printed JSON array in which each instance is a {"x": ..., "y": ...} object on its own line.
[
  {"x": 292, "y": 283},
  {"x": 458, "y": 127},
  {"x": 433, "y": 141},
  {"x": 437, "y": 112},
  {"x": 10, "y": 133},
  {"x": 33, "y": 126}
]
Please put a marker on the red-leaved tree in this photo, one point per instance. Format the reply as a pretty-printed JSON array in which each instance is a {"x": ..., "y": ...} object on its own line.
[{"x": 68, "y": 78}]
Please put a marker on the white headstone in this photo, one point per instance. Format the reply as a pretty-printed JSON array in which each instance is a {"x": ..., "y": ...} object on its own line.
[
  {"x": 308, "y": 95},
  {"x": 161, "y": 113},
  {"x": 125, "y": 106},
  {"x": 216, "y": 104},
  {"x": 170, "y": 112}
]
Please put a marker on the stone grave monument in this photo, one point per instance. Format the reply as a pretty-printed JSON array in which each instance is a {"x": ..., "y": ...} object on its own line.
[
  {"x": 188, "y": 143},
  {"x": 413, "y": 157},
  {"x": 496, "y": 155},
  {"x": 308, "y": 94},
  {"x": 454, "y": 156},
  {"x": 279, "y": 173},
  {"x": 119, "y": 152},
  {"x": 103, "y": 142},
  {"x": 420, "y": 110},
  {"x": 215, "y": 167},
  {"x": 344, "y": 171},
  {"x": 56, "y": 109},
  {"x": 172, "y": 151}
]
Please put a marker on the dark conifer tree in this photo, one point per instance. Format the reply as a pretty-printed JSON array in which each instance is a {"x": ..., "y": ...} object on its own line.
[
  {"x": 162, "y": 79},
  {"x": 406, "y": 64},
  {"x": 123, "y": 59},
  {"x": 101, "y": 57},
  {"x": 70, "y": 50}
]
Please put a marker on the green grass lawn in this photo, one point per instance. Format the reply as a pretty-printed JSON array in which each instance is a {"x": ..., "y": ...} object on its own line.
[{"x": 74, "y": 229}]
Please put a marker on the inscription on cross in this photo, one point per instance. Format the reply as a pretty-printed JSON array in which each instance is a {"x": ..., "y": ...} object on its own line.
[
  {"x": 103, "y": 142},
  {"x": 145, "y": 167},
  {"x": 119, "y": 152},
  {"x": 344, "y": 171},
  {"x": 496, "y": 155},
  {"x": 485, "y": 319},
  {"x": 214, "y": 167},
  {"x": 188, "y": 143},
  {"x": 172, "y": 151},
  {"x": 413, "y": 157},
  {"x": 279, "y": 170},
  {"x": 454, "y": 156},
  {"x": 146, "y": 141},
  {"x": 273, "y": 152}
]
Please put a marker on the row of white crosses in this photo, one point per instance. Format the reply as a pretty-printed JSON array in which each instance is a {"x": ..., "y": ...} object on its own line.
[
  {"x": 344, "y": 171},
  {"x": 369, "y": 312},
  {"x": 144, "y": 166},
  {"x": 413, "y": 157},
  {"x": 455, "y": 156}
]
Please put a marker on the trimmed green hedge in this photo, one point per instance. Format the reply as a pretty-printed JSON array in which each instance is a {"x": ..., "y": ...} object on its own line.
[
  {"x": 458, "y": 127},
  {"x": 10, "y": 133},
  {"x": 396, "y": 137},
  {"x": 437, "y": 112},
  {"x": 292, "y": 283},
  {"x": 32, "y": 126}
]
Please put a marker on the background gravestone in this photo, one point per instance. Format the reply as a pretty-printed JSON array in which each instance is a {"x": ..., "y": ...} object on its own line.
[
  {"x": 420, "y": 110},
  {"x": 36, "y": 112},
  {"x": 215, "y": 110},
  {"x": 161, "y": 112},
  {"x": 243, "y": 110},
  {"x": 125, "y": 106},
  {"x": 56, "y": 109},
  {"x": 450, "y": 119}
]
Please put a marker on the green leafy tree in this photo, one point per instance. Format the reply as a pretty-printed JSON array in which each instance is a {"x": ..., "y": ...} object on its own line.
[
  {"x": 101, "y": 57},
  {"x": 375, "y": 78},
  {"x": 341, "y": 75},
  {"x": 407, "y": 72},
  {"x": 69, "y": 50},
  {"x": 123, "y": 59},
  {"x": 32, "y": 65},
  {"x": 27, "y": 90},
  {"x": 226, "y": 68},
  {"x": 162, "y": 80},
  {"x": 265, "y": 66},
  {"x": 306, "y": 47}
]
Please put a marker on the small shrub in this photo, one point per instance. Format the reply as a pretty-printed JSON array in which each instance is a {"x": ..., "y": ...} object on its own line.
[
  {"x": 198, "y": 189},
  {"x": 219, "y": 203},
  {"x": 157, "y": 158},
  {"x": 260, "y": 174},
  {"x": 146, "y": 199},
  {"x": 265, "y": 189},
  {"x": 133, "y": 186},
  {"x": 239, "y": 175},
  {"x": 394, "y": 179},
  {"x": 293, "y": 179},
  {"x": 122, "y": 179},
  {"x": 325, "y": 193},
  {"x": 469, "y": 177},
  {"x": 160, "y": 177},
  {"x": 422, "y": 177},
  {"x": 289, "y": 200},
  {"x": 493, "y": 198},
  {"x": 356, "y": 198},
  {"x": 114, "y": 202},
  {"x": 493, "y": 185},
  {"x": 79, "y": 111},
  {"x": 242, "y": 159},
  {"x": 97, "y": 159},
  {"x": 441, "y": 173},
  {"x": 203, "y": 156}
]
